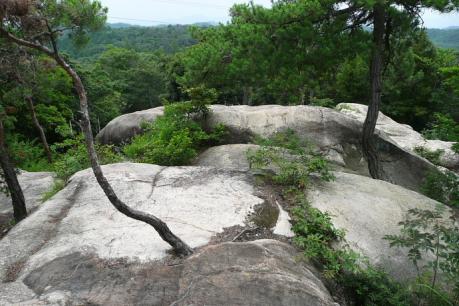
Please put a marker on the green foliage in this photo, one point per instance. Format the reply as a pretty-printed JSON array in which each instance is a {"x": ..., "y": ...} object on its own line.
[
  {"x": 55, "y": 188},
  {"x": 425, "y": 233},
  {"x": 77, "y": 17},
  {"x": 445, "y": 38},
  {"x": 443, "y": 187},
  {"x": 74, "y": 156},
  {"x": 293, "y": 159},
  {"x": 326, "y": 102},
  {"x": 136, "y": 78},
  {"x": 315, "y": 233},
  {"x": 27, "y": 155},
  {"x": 176, "y": 137},
  {"x": 455, "y": 148},
  {"x": 268, "y": 55},
  {"x": 169, "y": 39},
  {"x": 432, "y": 156},
  {"x": 443, "y": 127}
]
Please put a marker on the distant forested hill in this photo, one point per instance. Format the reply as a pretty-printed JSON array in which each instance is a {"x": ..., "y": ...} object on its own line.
[
  {"x": 445, "y": 38},
  {"x": 170, "y": 39}
]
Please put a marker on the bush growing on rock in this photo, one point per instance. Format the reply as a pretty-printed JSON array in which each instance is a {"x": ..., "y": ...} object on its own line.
[
  {"x": 443, "y": 187},
  {"x": 426, "y": 232},
  {"x": 176, "y": 137},
  {"x": 295, "y": 163},
  {"x": 75, "y": 157},
  {"x": 432, "y": 156}
]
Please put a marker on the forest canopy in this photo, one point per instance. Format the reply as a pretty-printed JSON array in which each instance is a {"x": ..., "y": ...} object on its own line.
[{"x": 259, "y": 57}]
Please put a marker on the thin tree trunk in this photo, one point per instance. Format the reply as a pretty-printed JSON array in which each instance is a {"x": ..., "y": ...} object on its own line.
[
  {"x": 368, "y": 140},
  {"x": 179, "y": 246},
  {"x": 17, "y": 197},
  {"x": 37, "y": 124}
]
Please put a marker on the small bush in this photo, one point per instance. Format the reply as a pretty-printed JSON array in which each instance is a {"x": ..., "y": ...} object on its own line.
[
  {"x": 57, "y": 186},
  {"x": 455, "y": 148},
  {"x": 74, "y": 157},
  {"x": 432, "y": 156},
  {"x": 27, "y": 155},
  {"x": 443, "y": 127},
  {"x": 426, "y": 232},
  {"x": 176, "y": 137},
  {"x": 442, "y": 186},
  {"x": 325, "y": 102},
  {"x": 295, "y": 162}
]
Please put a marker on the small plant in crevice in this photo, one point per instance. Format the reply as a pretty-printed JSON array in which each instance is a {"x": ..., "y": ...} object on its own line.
[
  {"x": 428, "y": 234},
  {"x": 293, "y": 159},
  {"x": 442, "y": 187},
  {"x": 294, "y": 163},
  {"x": 176, "y": 137},
  {"x": 57, "y": 186},
  {"x": 432, "y": 156}
]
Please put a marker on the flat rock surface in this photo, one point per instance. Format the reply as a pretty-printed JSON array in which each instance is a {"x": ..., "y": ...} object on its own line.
[
  {"x": 195, "y": 202},
  {"x": 232, "y": 156},
  {"x": 404, "y": 135},
  {"x": 368, "y": 210}
]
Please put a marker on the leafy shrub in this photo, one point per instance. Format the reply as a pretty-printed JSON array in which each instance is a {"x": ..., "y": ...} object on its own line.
[
  {"x": 74, "y": 156},
  {"x": 294, "y": 160},
  {"x": 325, "y": 102},
  {"x": 443, "y": 187},
  {"x": 176, "y": 137},
  {"x": 432, "y": 156},
  {"x": 55, "y": 188},
  {"x": 455, "y": 148},
  {"x": 27, "y": 155},
  {"x": 426, "y": 232},
  {"x": 294, "y": 163},
  {"x": 443, "y": 127}
]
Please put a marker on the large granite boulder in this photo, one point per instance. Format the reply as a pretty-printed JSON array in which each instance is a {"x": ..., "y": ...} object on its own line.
[
  {"x": 262, "y": 272},
  {"x": 333, "y": 133},
  {"x": 404, "y": 135},
  {"x": 34, "y": 185},
  {"x": 126, "y": 126},
  {"x": 77, "y": 249},
  {"x": 367, "y": 210}
]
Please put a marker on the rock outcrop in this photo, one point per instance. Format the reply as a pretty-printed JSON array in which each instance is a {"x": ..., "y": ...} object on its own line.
[
  {"x": 404, "y": 135},
  {"x": 366, "y": 209},
  {"x": 263, "y": 272},
  {"x": 335, "y": 134},
  {"x": 34, "y": 185},
  {"x": 77, "y": 249},
  {"x": 127, "y": 126},
  {"x": 232, "y": 156}
]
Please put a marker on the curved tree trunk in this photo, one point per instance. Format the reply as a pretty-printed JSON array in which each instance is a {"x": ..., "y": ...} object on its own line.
[
  {"x": 368, "y": 140},
  {"x": 37, "y": 124},
  {"x": 17, "y": 197},
  {"x": 180, "y": 247}
]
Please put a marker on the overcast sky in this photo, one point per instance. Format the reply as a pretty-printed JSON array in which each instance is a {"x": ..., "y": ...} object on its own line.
[{"x": 152, "y": 12}]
